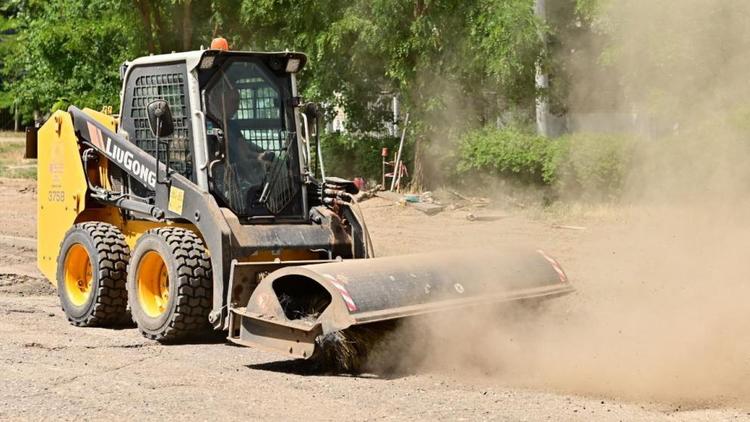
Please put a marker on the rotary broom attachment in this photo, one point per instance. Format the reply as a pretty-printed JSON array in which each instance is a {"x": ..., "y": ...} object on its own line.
[
  {"x": 345, "y": 351},
  {"x": 336, "y": 313}
]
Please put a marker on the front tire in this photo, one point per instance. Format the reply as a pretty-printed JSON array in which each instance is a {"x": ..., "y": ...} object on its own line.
[
  {"x": 169, "y": 284},
  {"x": 91, "y": 275}
]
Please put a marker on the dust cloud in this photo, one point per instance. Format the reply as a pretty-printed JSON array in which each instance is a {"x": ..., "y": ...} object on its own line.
[{"x": 661, "y": 313}]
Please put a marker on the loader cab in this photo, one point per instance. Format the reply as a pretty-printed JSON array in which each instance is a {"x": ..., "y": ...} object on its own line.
[{"x": 236, "y": 127}]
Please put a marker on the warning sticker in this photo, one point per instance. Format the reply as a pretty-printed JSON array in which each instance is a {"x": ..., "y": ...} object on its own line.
[
  {"x": 337, "y": 283},
  {"x": 176, "y": 197}
]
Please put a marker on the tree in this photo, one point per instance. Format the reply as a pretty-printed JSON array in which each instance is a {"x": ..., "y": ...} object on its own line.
[
  {"x": 67, "y": 52},
  {"x": 8, "y": 35},
  {"x": 455, "y": 64},
  {"x": 180, "y": 25}
]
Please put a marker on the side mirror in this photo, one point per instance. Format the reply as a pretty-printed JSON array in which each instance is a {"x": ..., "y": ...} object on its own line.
[
  {"x": 160, "y": 118},
  {"x": 312, "y": 110}
]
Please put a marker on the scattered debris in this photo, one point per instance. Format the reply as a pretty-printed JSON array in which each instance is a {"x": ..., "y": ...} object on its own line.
[
  {"x": 467, "y": 201},
  {"x": 36, "y": 345},
  {"x": 425, "y": 207},
  {"x": 412, "y": 198},
  {"x": 27, "y": 189},
  {"x": 20, "y": 311},
  {"x": 559, "y": 226},
  {"x": 472, "y": 217},
  {"x": 122, "y": 346},
  {"x": 364, "y": 195},
  {"x": 465, "y": 198}
]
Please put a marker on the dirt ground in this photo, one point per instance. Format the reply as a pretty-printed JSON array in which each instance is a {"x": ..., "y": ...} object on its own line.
[{"x": 49, "y": 369}]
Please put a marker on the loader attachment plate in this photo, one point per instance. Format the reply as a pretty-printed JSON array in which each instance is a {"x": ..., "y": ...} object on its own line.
[{"x": 294, "y": 302}]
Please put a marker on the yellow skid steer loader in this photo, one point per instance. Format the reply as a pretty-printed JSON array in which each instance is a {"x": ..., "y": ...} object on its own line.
[{"x": 204, "y": 206}]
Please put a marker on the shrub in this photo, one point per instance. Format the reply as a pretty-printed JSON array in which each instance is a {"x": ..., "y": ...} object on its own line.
[
  {"x": 592, "y": 166},
  {"x": 508, "y": 153}
]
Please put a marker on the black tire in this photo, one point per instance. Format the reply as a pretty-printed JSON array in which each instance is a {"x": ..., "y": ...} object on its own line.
[
  {"x": 184, "y": 313},
  {"x": 105, "y": 303}
]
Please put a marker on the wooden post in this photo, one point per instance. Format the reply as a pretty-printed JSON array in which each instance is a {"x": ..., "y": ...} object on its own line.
[
  {"x": 16, "y": 117},
  {"x": 397, "y": 163},
  {"x": 383, "y": 155}
]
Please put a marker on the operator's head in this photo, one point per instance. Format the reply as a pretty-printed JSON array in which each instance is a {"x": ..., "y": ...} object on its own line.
[
  {"x": 224, "y": 100},
  {"x": 231, "y": 101}
]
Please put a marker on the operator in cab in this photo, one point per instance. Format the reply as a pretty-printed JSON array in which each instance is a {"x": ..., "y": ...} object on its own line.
[{"x": 246, "y": 163}]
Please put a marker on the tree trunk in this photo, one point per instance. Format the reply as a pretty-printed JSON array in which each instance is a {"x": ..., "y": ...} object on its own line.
[
  {"x": 145, "y": 12},
  {"x": 420, "y": 8},
  {"x": 541, "y": 78},
  {"x": 420, "y": 142},
  {"x": 187, "y": 25},
  {"x": 161, "y": 32},
  {"x": 16, "y": 118}
]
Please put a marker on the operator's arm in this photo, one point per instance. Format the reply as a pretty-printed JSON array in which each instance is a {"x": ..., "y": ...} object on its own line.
[
  {"x": 253, "y": 147},
  {"x": 248, "y": 150}
]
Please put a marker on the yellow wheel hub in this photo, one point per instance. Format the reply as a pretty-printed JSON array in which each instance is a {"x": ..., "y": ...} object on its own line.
[
  {"x": 153, "y": 284},
  {"x": 79, "y": 275}
]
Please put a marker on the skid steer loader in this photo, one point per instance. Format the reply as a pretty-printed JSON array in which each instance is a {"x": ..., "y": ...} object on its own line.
[{"x": 205, "y": 205}]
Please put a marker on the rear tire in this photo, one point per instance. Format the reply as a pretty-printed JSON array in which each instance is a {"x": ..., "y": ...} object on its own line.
[
  {"x": 170, "y": 284},
  {"x": 91, "y": 275}
]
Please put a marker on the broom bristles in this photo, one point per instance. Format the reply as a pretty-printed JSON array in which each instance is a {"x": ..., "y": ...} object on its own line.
[{"x": 344, "y": 351}]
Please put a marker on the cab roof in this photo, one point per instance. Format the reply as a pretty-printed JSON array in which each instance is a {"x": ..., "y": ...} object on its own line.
[{"x": 194, "y": 58}]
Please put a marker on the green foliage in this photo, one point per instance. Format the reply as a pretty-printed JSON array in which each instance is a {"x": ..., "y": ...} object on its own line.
[
  {"x": 439, "y": 56},
  {"x": 589, "y": 9},
  {"x": 348, "y": 155},
  {"x": 68, "y": 52},
  {"x": 455, "y": 65},
  {"x": 8, "y": 44},
  {"x": 591, "y": 166},
  {"x": 181, "y": 25},
  {"x": 508, "y": 36},
  {"x": 508, "y": 152}
]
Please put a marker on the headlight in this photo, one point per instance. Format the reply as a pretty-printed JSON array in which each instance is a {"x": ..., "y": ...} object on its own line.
[
  {"x": 207, "y": 62},
  {"x": 292, "y": 66}
]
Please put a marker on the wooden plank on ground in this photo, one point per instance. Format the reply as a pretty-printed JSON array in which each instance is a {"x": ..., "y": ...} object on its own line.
[{"x": 427, "y": 208}]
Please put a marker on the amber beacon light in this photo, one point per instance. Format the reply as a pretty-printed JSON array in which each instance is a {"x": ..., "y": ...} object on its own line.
[{"x": 219, "y": 44}]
